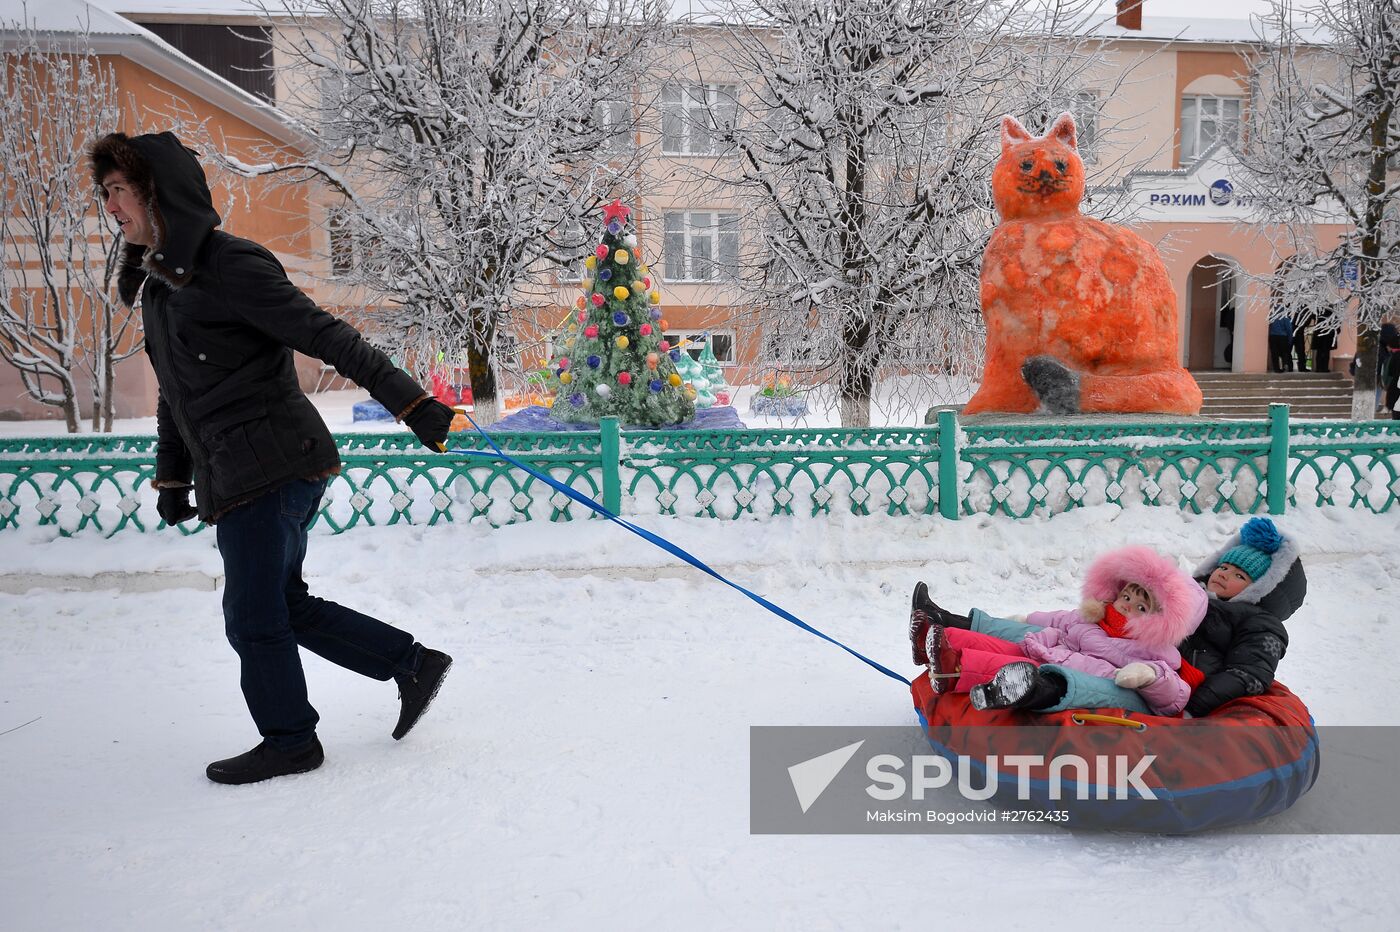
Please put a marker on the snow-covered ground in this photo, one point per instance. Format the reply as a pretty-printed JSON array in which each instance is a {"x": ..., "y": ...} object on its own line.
[{"x": 586, "y": 764}]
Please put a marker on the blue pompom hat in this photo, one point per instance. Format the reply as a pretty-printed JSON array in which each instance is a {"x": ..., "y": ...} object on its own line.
[{"x": 1259, "y": 541}]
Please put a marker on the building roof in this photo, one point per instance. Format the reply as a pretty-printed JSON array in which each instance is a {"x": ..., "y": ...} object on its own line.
[
  {"x": 198, "y": 7},
  {"x": 1196, "y": 29},
  {"x": 112, "y": 34}
]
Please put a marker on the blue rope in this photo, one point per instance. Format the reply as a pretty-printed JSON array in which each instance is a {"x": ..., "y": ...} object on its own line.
[{"x": 666, "y": 545}]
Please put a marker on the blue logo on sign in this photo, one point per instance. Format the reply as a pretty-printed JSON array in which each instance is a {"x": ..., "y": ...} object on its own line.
[{"x": 1221, "y": 192}]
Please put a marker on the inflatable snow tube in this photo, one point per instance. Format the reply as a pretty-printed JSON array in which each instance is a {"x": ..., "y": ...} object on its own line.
[{"x": 1111, "y": 769}]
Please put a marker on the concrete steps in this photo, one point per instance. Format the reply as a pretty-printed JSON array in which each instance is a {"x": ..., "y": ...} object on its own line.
[{"x": 1247, "y": 395}]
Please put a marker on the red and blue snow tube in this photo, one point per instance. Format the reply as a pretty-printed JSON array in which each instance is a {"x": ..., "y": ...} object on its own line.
[{"x": 1249, "y": 759}]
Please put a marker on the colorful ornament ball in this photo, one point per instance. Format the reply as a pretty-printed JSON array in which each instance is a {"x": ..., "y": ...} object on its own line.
[
  {"x": 656, "y": 297},
  {"x": 674, "y": 379},
  {"x": 601, "y": 252},
  {"x": 655, "y": 385},
  {"x": 591, "y": 331},
  {"x": 620, "y": 318},
  {"x": 605, "y": 275},
  {"x": 565, "y": 378},
  {"x": 594, "y": 362},
  {"x": 644, "y": 330},
  {"x": 621, "y": 293},
  {"x": 624, "y": 378},
  {"x": 654, "y": 312},
  {"x": 621, "y": 257},
  {"x": 614, "y": 227},
  {"x": 598, "y": 300},
  {"x": 603, "y": 390},
  {"x": 576, "y": 399},
  {"x": 591, "y": 262},
  {"x": 622, "y": 342},
  {"x": 675, "y": 355}
]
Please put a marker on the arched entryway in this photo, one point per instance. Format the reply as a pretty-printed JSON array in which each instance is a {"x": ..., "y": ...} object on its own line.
[{"x": 1212, "y": 289}]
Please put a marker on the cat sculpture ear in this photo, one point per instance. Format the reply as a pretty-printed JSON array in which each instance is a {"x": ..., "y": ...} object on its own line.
[
  {"x": 1013, "y": 133},
  {"x": 1065, "y": 131}
]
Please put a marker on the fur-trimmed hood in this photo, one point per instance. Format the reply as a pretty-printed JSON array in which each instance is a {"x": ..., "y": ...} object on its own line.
[
  {"x": 1280, "y": 590},
  {"x": 1181, "y": 602},
  {"x": 168, "y": 177}
]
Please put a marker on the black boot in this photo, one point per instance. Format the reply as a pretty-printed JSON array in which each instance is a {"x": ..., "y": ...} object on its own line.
[
  {"x": 416, "y": 692},
  {"x": 265, "y": 762},
  {"x": 943, "y": 660},
  {"x": 924, "y": 612},
  {"x": 1019, "y": 686}
]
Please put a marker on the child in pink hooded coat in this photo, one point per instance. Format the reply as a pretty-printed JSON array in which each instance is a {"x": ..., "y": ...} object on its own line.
[{"x": 1137, "y": 607}]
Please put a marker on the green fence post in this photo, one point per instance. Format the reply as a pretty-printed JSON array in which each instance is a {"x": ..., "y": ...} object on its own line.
[
  {"x": 1276, "y": 476},
  {"x": 948, "y": 493},
  {"x": 611, "y": 453}
]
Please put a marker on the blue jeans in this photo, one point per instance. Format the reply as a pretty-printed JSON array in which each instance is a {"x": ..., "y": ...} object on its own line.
[
  {"x": 269, "y": 612},
  {"x": 1085, "y": 690}
]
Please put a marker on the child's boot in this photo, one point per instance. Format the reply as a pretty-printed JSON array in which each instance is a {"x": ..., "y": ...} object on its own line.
[
  {"x": 922, "y": 613},
  {"x": 1019, "y": 686},
  {"x": 942, "y": 660}
]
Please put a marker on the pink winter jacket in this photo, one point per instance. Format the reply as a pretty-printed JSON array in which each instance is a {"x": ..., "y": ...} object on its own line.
[{"x": 1069, "y": 639}]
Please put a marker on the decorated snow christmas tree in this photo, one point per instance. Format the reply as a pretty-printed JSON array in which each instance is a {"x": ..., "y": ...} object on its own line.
[
  {"x": 617, "y": 362},
  {"x": 693, "y": 374},
  {"x": 714, "y": 372}
]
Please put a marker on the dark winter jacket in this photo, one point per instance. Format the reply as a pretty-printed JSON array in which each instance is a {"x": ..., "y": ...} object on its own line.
[
  {"x": 1241, "y": 640},
  {"x": 221, "y": 321}
]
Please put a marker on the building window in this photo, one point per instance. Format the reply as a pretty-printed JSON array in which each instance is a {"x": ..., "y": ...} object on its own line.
[
  {"x": 614, "y": 121},
  {"x": 1084, "y": 105},
  {"x": 241, "y": 55},
  {"x": 342, "y": 241},
  {"x": 701, "y": 245},
  {"x": 696, "y": 117},
  {"x": 693, "y": 342},
  {"x": 1206, "y": 120}
]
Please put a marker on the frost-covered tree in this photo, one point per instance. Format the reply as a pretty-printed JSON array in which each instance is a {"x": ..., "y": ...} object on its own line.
[
  {"x": 470, "y": 140},
  {"x": 1325, "y": 132},
  {"x": 863, "y": 147},
  {"x": 61, "y": 325}
]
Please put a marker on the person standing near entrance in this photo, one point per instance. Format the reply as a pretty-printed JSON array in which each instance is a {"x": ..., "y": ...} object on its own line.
[
  {"x": 221, "y": 321},
  {"x": 1300, "y": 344},
  {"x": 1323, "y": 342},
  {"x": 1280, "y": 338}
]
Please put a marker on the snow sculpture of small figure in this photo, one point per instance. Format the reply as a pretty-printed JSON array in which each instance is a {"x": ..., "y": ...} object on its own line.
[{"x": 1080, "y": 314}]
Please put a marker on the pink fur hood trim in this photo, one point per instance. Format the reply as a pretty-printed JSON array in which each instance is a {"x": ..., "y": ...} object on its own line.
[{"x": 1181, "y": 602}]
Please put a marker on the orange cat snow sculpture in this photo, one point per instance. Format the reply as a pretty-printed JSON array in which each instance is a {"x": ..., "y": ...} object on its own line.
[{"x": 1080, "y": 314}]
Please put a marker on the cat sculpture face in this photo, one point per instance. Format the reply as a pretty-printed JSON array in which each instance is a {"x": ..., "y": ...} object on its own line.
[{"x": 1038, "y": 176}]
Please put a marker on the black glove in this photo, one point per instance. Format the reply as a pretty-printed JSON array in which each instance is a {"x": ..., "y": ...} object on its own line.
[
  {"x": 430, "y": 421},
  {"x": 173, "y": 505}
]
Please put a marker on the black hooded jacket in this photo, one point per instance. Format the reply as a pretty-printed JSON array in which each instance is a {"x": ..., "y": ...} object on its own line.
[
  {"x": 1240, "y": 641},
  {"x": 221, "y": 320}
]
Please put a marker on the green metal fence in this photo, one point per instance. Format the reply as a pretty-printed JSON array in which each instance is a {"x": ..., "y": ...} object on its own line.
[{"x": 1012, "y": 467}]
